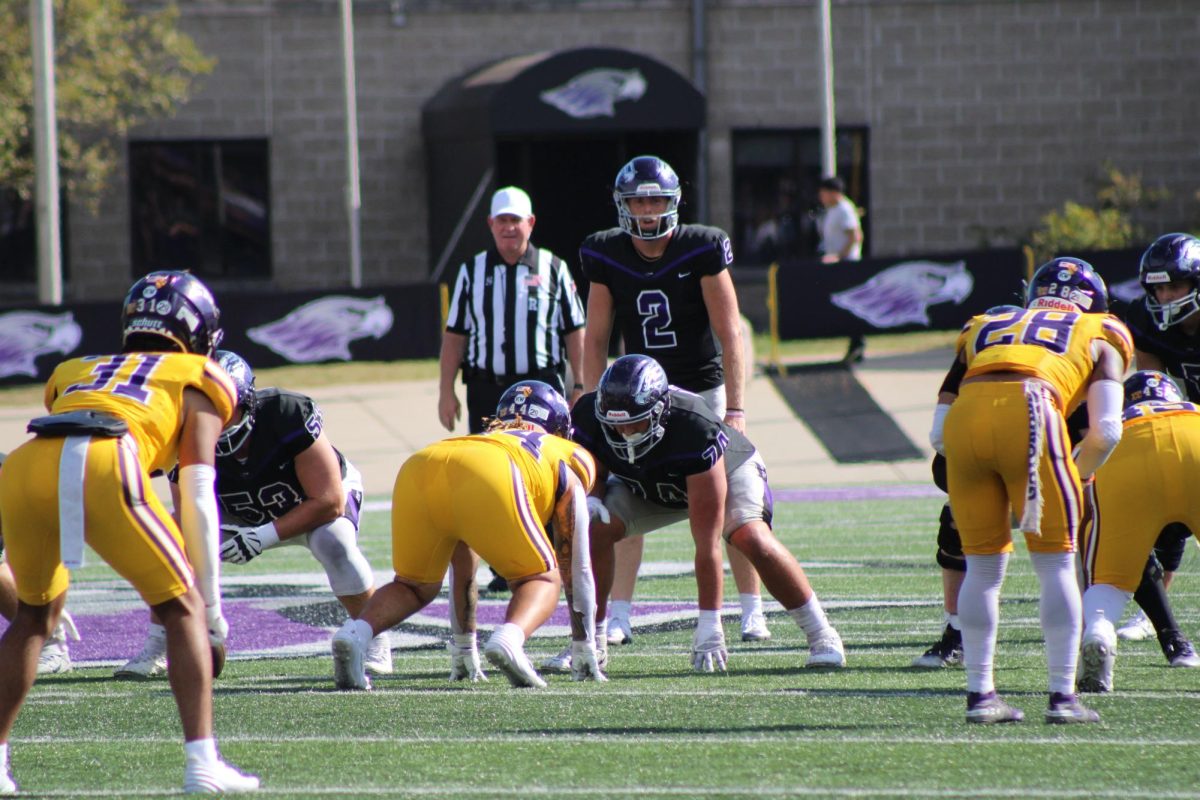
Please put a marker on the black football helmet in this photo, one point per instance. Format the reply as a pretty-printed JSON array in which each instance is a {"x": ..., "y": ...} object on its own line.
[
  {"x": 1151, "y": 386},
  {"x": 647, "y": 176},
  {"x": 536, "y": 402},
  {"x": 634, "y": 388},
  {"x": 1067, "y": 284},
  {"x": 1172, "y": 257},
  {"x": 236, "y": 434},
  {"x": 175, "y": 306}
]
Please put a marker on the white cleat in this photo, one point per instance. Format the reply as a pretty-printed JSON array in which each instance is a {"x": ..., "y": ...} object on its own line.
[
  {"x": 150, "y": 663},
  {"x": 348, "y": 670},
  {"x": 513, "y": 664},
  {"x": 216, "y": 777},
  {"x": 1098, "y": 656},
  {"x": 378, "y": 660},
  {"x": 754, "y": 627},
  {"x": 559, "y": 664},
  {"x": 619, "y": 632},
  {"x": 7, "y": 784},
  {"x": 826, "y": 650},
  {"x": 55, "y": 657},
  {"x": 1137, "y": 629}
]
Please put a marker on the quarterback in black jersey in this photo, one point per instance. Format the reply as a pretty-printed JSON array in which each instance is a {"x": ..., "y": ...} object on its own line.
[
  {"x": 667, "y": 287},
  {"x": 669, "y": 458},
  {"x": 281, "y": 482}
]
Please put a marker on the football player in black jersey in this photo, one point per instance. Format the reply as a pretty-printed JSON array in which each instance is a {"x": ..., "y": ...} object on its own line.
[
  {"x": 1166, "y": 336},
  {"x": 281, "y": 482},
  {"x": 668, "y": 289},
  {"x": 669, "y": 458}
]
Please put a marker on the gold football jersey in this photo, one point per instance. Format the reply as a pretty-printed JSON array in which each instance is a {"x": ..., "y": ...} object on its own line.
[
  {"x": 145, "y": 390},
  {"x": 1053, "y": 345},
  {"x": 539, "y": 456}
]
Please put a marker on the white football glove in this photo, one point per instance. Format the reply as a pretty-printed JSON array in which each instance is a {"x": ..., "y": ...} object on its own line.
[
  {"x": 585, "y": 662},
  {"x": 596, "y": 508},
  {"x": 708, "y": 649},
  {"x": 240, "y": 544},
  {"x": 218, "y": 628},
  {"x": 464, "y": 659}
]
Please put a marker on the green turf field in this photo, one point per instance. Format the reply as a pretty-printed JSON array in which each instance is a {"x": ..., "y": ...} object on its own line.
[{"x": 766, "y": 729}]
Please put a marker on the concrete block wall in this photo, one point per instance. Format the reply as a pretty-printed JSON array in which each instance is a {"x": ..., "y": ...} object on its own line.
[{"x": 982, "y": 113}]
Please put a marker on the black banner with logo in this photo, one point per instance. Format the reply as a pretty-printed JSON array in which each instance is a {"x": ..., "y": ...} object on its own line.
[
  {"x": 268, "y": 330},
  {"x": 921, "y": 292}
]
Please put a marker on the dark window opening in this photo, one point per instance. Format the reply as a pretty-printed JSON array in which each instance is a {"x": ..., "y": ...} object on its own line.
[
  {"x": 775, "y": 177},
  {"x": 18, "y": 238},
  {"x": 201, "y": 206}
]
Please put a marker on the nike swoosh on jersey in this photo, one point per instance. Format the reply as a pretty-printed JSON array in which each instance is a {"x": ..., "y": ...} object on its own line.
[{"x": 685, "y": 274}]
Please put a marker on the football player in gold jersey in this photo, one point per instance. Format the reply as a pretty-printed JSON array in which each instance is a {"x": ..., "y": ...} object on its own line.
[
  {"x": 85, "y": 476},
  {"x": 503, "y": 493},
  {"x": 1147, "y": 484},
  {"x": 1008, "y": 456}
]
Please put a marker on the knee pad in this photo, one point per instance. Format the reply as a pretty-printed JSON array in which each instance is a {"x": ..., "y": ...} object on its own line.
[
  {"x": 950, "y": 552},
  {"x": 1171, "y": 544},
  {"x": 335, "y": 546}
]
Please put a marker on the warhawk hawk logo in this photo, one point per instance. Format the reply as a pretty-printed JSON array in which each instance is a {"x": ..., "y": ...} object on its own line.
[
  {"x": 323, "y": 329},
  {"x": 902, "y": 295},
  {"x": 595, "y": 93},
  {"x": 25, "y": 335}
]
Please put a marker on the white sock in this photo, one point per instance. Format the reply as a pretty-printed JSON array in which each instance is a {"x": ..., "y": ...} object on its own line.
[
  {"x": 810, "y": 617},
  {"x": 512, "y": 634},
  {"x": 751, "y": 604},
  {"x": 362, "y": 632},
  {"x": 1062, "y": 617},
  {"x": 602, "y": 630},
  {"x": 158, "y": 633},
  {"x": 1102, "y": 600},
  {"x": 4, "y": 755},
  {"x": 979, "y": 613},
  {"x": 201, "y": 750},
  {"x": 952, "y": 621},
  {"x": 619, "y": 609}
]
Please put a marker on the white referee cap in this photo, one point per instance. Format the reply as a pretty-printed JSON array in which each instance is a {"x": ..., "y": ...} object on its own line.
[{"x": 511, "y": 200}]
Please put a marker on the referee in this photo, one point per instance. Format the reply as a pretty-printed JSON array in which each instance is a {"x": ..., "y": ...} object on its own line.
[{"x": 515, "y": 311}]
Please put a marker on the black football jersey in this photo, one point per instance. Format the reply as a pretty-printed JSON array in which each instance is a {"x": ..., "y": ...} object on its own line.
[
  {"x": 1180, "y": 353},
  {"x": 658, "y": 305},
  {"x": 695, "y": 438},
  {"x": 264, "y": 487}
]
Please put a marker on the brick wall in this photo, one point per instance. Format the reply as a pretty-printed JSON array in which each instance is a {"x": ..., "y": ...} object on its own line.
[{"x": 982, "y": 113}]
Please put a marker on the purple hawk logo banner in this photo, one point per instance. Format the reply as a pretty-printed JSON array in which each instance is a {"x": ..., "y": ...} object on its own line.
[
  {"x": 25, "y": 335},
  {"x": 902, "y": 294},
  {"x": 322, "y": 330},
  {"x": 595, "y": 93}
]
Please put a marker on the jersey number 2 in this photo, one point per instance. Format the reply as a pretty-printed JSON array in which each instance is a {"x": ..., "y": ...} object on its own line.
[{"x": 655, "y": 311}]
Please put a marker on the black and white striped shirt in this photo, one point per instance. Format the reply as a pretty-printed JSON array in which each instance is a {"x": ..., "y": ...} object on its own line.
[{"x": 514, "y": 317}]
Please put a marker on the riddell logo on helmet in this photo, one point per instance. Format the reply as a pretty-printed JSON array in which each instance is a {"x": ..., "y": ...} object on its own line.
[
  {"x": 1157, "y": 277},
  {"x": 1054, "y": 304},
  {"x": 615, "y": 415}
]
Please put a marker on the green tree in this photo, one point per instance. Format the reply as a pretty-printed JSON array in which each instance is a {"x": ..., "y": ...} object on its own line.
[
  {"x": 114, "y": 67},
  {"x": 1108, "y": 225}
]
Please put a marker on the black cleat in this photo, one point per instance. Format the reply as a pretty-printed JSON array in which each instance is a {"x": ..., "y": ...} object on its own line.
[
  {"x": 946, "y": 652},
  {"x": 1178, "y": 649}
]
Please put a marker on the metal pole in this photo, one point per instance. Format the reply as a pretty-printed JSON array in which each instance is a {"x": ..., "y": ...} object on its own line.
[
  {"x": 699, "y": 71},
  {"x": 825, "y": 70},
  {"x": 45, "y": 155},
  {"x": 353, "y": 193}
]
